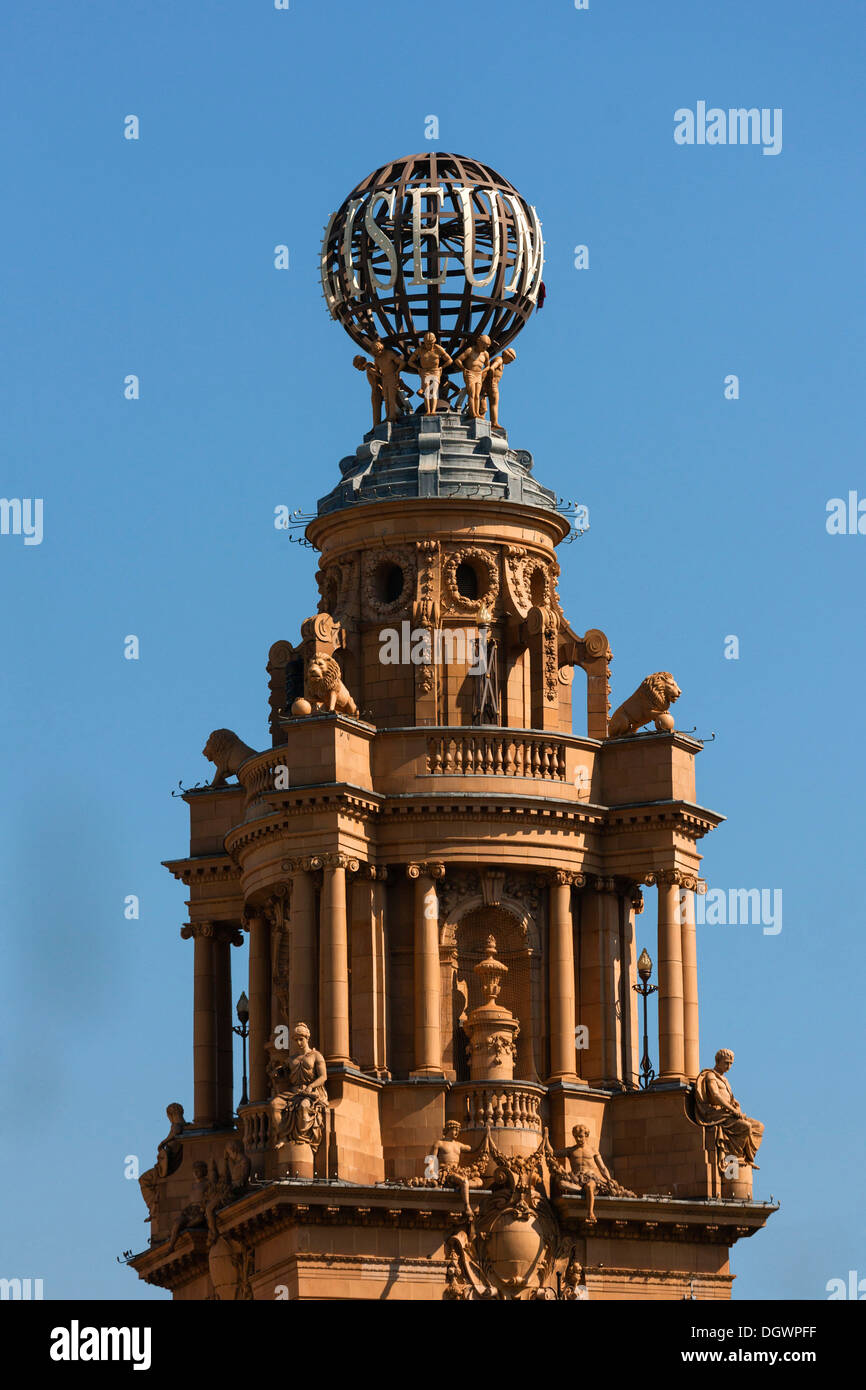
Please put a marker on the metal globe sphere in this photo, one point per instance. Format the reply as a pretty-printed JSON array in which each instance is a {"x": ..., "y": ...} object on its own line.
[{"x": 432, "y": 243}]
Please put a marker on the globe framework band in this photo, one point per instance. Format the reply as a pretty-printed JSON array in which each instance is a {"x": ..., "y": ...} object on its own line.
[{"x": 433, "y": 243}]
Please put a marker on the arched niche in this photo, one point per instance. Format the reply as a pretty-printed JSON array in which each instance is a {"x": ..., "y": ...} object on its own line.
[{"x": 463, "y": 941}]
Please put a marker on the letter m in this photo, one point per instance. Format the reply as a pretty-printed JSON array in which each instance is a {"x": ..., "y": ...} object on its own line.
[
  {"x": 115, "y": 1343},
  {"x": 747, "y": 903},
  {"x": 10, "y": 1288},
  {"x": 740, "y": 122}
]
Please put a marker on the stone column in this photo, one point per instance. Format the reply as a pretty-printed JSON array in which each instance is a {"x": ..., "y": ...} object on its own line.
[
  {"x": 428, "y": 1039},
  {"x": 611, "y": 968},
  {"x": 670, "y": 976},
  {"x": 368, "y": 957},
  {"x": 334, "y": 961},
  {"x": 260, "y": 1002},
  {"x": 204, "y": 1025},
  {"x": 589, "y": 1014},
  {"x": 303, "y": 966},
  {"x": 691, "y": 1041},
  {"x": 225, "y": 1104},
  {"x": 561, "y": 977}
]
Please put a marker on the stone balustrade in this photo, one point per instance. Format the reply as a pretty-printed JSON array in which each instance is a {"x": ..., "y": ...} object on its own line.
[
  {"x": 510, "y": 1105},
  {"x": 505, "y": 754}
]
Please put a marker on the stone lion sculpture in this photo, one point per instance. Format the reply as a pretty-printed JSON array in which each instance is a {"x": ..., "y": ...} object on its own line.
[
  {"x": 651, "y": 701},
  {"x": 324, "y": 689},
  {"x": 227, "y": 752}
]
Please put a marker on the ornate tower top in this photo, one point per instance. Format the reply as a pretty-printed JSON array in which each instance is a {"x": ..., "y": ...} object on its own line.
[
  {"x": 433, "y": 264},
  {"x": 432, "y": 242}
]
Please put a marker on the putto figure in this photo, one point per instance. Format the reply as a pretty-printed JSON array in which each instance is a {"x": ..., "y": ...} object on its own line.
[
  {"x": 383, "y": 374},
  {"x": 193, "y": 1214},
  {"x": 428, "y": 360},
  {"x": 490, "y": 383},
  {"x": 299, "y": 1105},
  {"x": 715, "y": 1105},
  {"x": 227, "y": 1186},
  {"x": 168, "y": 1156},
  {"x": 473, "y": 362},
  {"x": 447, "y": 1152},
  {"x": 586, "y": 1171}
]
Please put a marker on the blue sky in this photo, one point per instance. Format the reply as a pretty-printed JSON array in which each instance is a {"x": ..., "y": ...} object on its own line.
[{"x": 155, "y": 257}]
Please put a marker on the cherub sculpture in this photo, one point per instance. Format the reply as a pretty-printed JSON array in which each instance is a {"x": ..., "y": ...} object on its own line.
[
  {"x": 585, "y": 1171},
  {"x": 428, "y": 360},
  {"x": 473, "y": 362},
  {"x": 168, "y": 1156},
  {"x": 444, "y": 1169},
  {"x": 383, "y": 374},
  {"x": 193, "y": 1214},
  {"x": 227, "y": 1186},
  {"x": 490, "y": 383}
]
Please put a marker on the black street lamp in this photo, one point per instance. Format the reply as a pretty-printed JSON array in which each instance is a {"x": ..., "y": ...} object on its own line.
[
  {"x": 243, "y": 1012},
  {"x": 645, "y": 989}
]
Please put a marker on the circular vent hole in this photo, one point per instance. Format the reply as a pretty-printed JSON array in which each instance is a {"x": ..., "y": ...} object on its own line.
[
  {"x": 389, "y": 583},
  {"x": 467, "y": 580}
]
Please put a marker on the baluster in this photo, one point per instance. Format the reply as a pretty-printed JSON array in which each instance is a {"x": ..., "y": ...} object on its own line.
[
  {"x": 510, "y": 765},
  {"x": 459, "y": 749},
  {"x": 488, "y": 756}
]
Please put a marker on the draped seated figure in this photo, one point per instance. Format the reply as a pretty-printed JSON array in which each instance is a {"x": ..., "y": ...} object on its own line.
[
  {"x": 298, "y": 1107},
  {"x": 739, "y": 1135}
]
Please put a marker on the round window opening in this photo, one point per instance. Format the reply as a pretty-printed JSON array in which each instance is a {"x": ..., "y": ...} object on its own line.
[
  {"x": 466, "y": 579},
  {"x": 389, "y": 583}
]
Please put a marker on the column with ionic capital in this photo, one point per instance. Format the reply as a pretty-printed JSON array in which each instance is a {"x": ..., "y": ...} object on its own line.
[
  {"x": 428, "y": 1038},
  {"x": 369, "y": 969},
  {"x": 203, "y": 1025},
  {"x": 334, "y": 960},
  {"x": 260, "y": 1000},
  {"x": 226, "y": 935},
  {"x": 561, "y": 977},
  {"x": 689, "y": 885},
  {"x": 304, "y": 947},
  {"x": 670, "y": 975}
]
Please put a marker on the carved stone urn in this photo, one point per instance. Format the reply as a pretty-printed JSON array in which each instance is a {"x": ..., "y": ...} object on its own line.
[{"x": 492, "y": 1028}]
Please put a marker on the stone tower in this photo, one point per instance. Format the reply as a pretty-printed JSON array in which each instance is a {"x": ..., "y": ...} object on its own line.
[{"x": 431, "y": 1113}]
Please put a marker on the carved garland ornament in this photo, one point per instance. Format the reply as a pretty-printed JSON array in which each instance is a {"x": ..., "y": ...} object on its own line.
[
  {"x": 373, "y": 562},
  {"x": 486, "y": 560}
]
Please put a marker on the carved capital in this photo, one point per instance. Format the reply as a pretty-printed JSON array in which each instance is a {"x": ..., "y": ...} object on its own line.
[
  {"x": 675, "y": 878},
  {"x": 375, "y": 873},
  {"x": 340, "y": 861},
  {"x": 429, "y": 869},
  {"x": 213, "y": 931},
  {"x": 603, "y": 885},
  {"x": 569, "y": 877}
]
